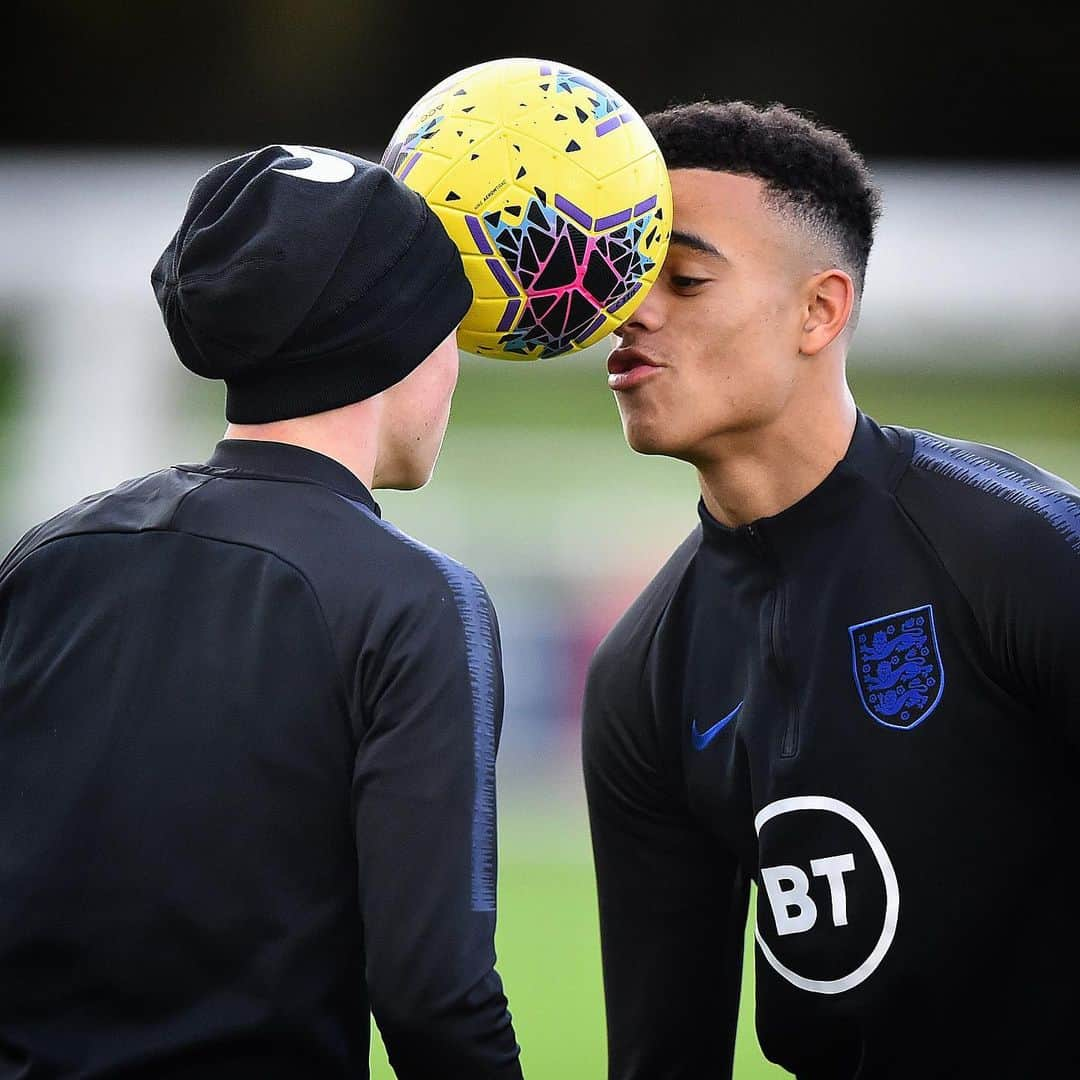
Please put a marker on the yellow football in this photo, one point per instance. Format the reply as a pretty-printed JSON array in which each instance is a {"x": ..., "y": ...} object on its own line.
[{"x": 555, "y": 192}]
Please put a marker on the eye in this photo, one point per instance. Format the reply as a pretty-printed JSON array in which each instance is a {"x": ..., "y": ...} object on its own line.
[{"x": 681, "y": 281}]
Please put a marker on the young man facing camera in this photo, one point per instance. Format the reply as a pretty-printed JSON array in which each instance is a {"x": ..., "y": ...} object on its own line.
[
  {"x": 855, "y": 683},
  {"x": 248, "y": 728}
]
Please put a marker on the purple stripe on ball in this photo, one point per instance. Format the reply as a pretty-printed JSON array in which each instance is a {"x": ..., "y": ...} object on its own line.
[
  {"x": 613, "y": 219},
  {"x": 508, "y": 316},
  {"x": 625, "y": 298},
  {"x": 591, "y": 328},
  {"x": 610, "y": 124},
  {"x": 502, "y": 277},
  {"x": 648, "y": 204},
  {"x": 478, "y": 235},
  {"x": 408, "y": 165},
  {"x": 570, "y": 210}
]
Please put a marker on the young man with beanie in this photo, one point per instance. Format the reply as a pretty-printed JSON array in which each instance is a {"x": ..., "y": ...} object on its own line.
[{"x": 247, "y": 728}]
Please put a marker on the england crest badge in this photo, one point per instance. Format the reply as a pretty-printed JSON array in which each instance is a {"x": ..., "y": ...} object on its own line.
[{"x": 897, "y": 666}]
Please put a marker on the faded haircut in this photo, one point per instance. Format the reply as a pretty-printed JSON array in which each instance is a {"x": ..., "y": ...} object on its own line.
[{"x": 812, "y": 176}]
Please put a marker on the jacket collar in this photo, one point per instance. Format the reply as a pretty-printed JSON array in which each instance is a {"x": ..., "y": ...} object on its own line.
[
  {"x": 283, "y": 461},
  {"x": 875, "y": 456}
]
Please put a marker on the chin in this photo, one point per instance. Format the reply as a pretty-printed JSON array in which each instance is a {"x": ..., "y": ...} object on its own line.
[
  {"x": 408, "y": 482},
  {"x": 649, "y": 439},
  {"x": 403, "y": 476}
]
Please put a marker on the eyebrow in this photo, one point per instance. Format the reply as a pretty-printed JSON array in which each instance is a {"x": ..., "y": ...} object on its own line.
[{"x": 696, "y": 243}]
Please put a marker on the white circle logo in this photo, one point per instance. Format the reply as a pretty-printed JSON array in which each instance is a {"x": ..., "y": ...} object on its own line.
[{"x": 833, "y": 868}]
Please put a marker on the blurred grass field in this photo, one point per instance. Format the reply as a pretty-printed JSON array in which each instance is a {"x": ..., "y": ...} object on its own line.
[
  {"x": 534, "y": 470},
  {"x": 549, "y": 954}
]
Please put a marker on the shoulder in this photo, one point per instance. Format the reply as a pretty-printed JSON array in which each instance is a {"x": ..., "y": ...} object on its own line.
[
  {"x": 425, "y": 561},
  {"x": 622, "y": 654},
  {"x": 408, "y": 575},
  {"x": 989, "y": 500},
  {"x": 349, "y": 554},
  {"x": 392, "y": 605},
  {"x": 1007, "y": 534},
  {"x": 354, "y": 562},
  {"x": 124, "y": 508}
]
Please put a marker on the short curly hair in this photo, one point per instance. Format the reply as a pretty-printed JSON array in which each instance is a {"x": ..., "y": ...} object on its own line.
[{"x": 811, "y": 173}]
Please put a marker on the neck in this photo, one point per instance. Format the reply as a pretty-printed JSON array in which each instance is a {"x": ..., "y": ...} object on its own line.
[
  {"x": 760, "y": 472},
  {"x": 349, "y": 435}
]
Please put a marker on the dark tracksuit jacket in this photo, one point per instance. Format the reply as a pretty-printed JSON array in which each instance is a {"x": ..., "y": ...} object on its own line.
[
  {"x": 247, "y": 747},
  {"x": 869, "y": 705}
]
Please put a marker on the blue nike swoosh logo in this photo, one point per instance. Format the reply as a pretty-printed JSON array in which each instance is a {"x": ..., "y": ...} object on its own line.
[{"x": 701, "y": 739}]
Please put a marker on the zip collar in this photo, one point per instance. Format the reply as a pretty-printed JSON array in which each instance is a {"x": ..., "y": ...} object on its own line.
[
  {"x": 877, "y": 456},
  {"x": 284, "y": 461}
]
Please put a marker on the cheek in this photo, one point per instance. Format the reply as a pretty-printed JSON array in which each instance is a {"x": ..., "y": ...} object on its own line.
[
  {"x": 449, "y": 377},
  {"x": 721, "y": 319},
  {"x": 761, "y": 328},
  {"x": 438, "y": 391},
  {"x": 741, "y": 362}
]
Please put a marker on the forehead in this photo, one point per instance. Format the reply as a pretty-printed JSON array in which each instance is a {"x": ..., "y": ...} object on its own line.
[{"x": 723, "y": 208}]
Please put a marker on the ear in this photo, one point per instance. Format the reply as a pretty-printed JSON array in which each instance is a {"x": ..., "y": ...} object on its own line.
[{"x": 830, "y": 297}]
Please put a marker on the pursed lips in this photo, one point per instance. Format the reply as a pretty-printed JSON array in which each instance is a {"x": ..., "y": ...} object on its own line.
[{"x": 629, "y": 367}]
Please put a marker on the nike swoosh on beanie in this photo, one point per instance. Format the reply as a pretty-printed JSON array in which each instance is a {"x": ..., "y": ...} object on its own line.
[{"x": 301, "y": 296}]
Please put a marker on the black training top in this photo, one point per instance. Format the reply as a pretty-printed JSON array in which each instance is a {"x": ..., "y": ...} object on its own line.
[
  {"x": 870, "y": 705},
  {"x": 247, "y": 747}
]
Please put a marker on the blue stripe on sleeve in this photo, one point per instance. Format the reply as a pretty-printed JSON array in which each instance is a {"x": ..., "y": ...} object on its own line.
[
  {"x": 472, "y": 605},
  {"x": 1057, "y": 507}
]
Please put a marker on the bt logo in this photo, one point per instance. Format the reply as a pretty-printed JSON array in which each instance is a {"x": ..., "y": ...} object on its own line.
[
  {"x": 788, "y": 889},
  {"x": 843, "y": 962}
]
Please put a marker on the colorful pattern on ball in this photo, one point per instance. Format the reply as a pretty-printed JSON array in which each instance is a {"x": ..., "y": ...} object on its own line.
[
  {"x": 551, "y": 273},
  {"x": 604, "y": 102},
  {"x": 403, "y": 155},
  {"x": 570, "y": 276}
]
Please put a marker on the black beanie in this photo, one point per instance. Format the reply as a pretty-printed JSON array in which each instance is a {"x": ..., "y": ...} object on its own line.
[{"x": 306, "y": 279}]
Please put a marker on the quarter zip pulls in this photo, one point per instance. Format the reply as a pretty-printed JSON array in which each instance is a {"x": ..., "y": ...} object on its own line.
[{"x": 772, "y": 549}]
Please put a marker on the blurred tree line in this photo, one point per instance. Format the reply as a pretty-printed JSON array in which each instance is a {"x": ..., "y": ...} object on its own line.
[{"x": 956, "y": 82}]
